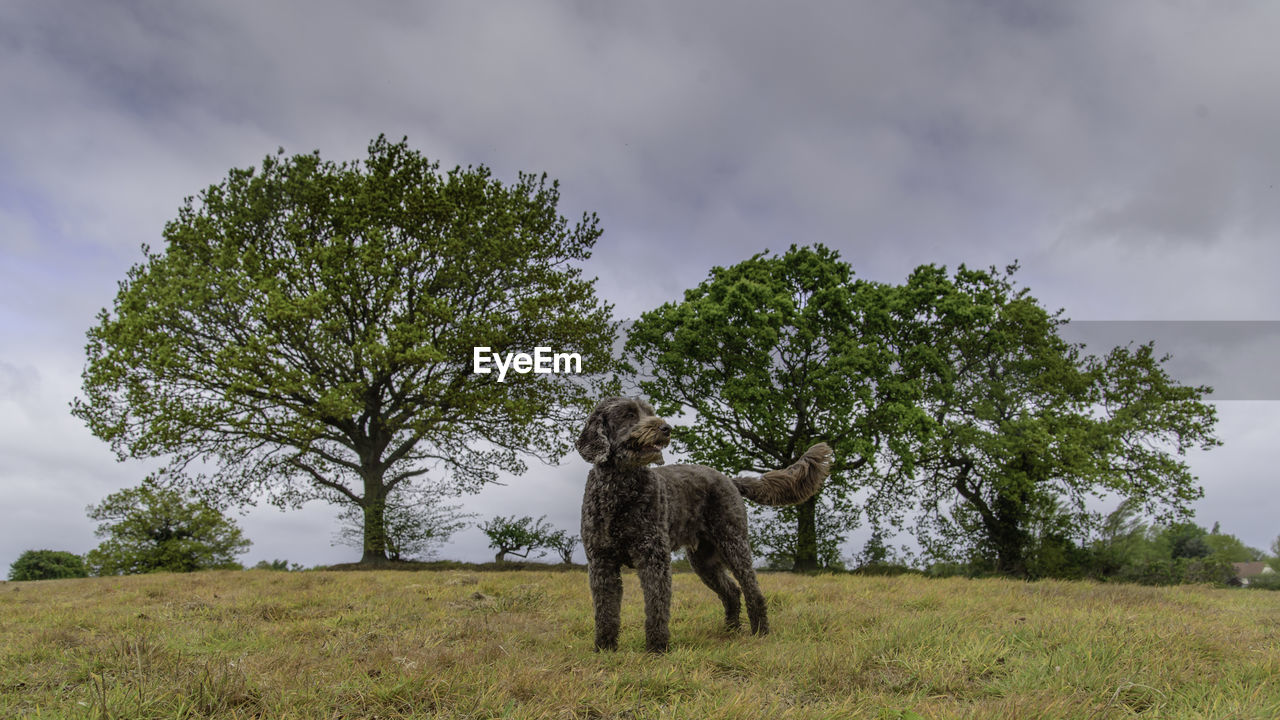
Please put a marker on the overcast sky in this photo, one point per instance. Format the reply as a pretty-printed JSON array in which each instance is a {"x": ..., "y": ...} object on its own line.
[{"x": 1127, "y": 154}]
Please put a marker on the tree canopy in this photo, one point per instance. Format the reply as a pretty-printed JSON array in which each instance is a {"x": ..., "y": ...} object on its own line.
[
  {"x": 768, "y": 357},
  {"x": 47, "y": 565},
  {"x": 308, "y": 332},
  {"x": 155, "y": 529},
  {"x": 951, "y": 399},
  {"x": 1022, "y": 430}
]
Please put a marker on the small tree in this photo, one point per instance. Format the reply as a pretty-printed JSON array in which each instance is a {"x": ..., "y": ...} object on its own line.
[
  {"x": 510, "y": 536},
  {"x": 875, "y": 552},
  {"x": 156, "y": 529},
  {"x": 1124, "y": 540},
  {"x": 416, "y": 523},
  {"x": 564, "y": 544},
  {"x": 1274, "y": 560},
  {"x": 1187, "y": 540},
  {"x": 47, "y": 565}
]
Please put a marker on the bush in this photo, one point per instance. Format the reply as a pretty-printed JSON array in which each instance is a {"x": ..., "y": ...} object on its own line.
[
  {"x": 1176, "y": 572},
  {"x": 977, "y": 568},
  {"x": 283, "y": 565},
  {"x": 886, "y": 569},
  {"x": 47, "y": 565},
  {"x": 1057, "y": 556},
  {"x": 1270, "y": 581}
]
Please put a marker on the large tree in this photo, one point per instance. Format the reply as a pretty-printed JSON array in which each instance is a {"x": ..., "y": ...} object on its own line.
[
  {"x": 768, "y": 357},
  {"x": 1023, "y": 429},
  {"x": 308, "y": 332}
]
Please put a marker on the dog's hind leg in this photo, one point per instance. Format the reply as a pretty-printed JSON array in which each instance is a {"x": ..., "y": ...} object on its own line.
[
  {"x": 737, "y": 555},
  {"x": 708, "y": 567},
  {"x": 605, "y": 579}
]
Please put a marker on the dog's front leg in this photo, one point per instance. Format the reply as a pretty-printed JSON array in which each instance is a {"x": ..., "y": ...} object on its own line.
[
  {"x": 655, "y": 580},
  {"x": 605, "y": 579}
]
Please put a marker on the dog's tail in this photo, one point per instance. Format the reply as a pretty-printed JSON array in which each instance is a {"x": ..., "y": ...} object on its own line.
[{"x": 793, "y": 485}]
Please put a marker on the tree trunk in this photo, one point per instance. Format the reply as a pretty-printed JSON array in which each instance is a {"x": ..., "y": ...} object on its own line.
[
  {"x": 1003, "y": 525},
  {"x": 1009, "y": 538},
  {"x": 375, "y": 527},
  {"x": 806, "y": 557}
]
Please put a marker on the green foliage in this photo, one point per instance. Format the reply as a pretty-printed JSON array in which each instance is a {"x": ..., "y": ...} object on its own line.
[
  {"x": 1177, "y": 571},
  {"x": 308, "y": 330},
  {"x": 1268, "y": 581},
  {"x": 279, "y": 565},
  {"x": 1130, "y": 550},
  {"x": 767, "y": 357},
  {"x": 47, "y": 565},
  {"x": 950, "y": 397},
  {"x": 878, "y": 558},
  {"x": 1054, "y": 555},
  {"x": 1274, "y": 560},
  {"x": 563, "y": 544},
  {"x": 875, "y": 552},
  {"x": 1124, "y": 540},
  {"x": 1022, "y": 431},
  {"x": 519, "y": 536},
  {"x": 155, "y": 529},
  {"x": 1231, "y": 548},
  {"x": 1186, "y": 540}
]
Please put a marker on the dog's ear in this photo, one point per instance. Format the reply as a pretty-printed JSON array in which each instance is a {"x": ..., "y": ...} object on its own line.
[{"x": 593, "y": 443}]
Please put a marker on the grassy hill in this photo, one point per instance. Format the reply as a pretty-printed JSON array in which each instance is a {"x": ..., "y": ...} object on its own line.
[{"x": 463, "y": 644}]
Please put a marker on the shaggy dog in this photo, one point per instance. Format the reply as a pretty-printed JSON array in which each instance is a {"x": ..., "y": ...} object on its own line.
[{"x": 636, "y": 516}]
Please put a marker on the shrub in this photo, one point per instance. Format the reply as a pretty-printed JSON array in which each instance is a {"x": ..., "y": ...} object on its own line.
[
  {"x": 1270, "y": 581},
  {"x": 517, "y": 536},
  {"x": 47, "y": 565},
  {"x": 564, "y": 544},
  {"x": 886, "y": 569},
  {"x": 157, "y": 529},
  {"x": 1175, "y": 572},
  {"x": 283, "y": 565},
  {"x": 1057, "y": 556}
]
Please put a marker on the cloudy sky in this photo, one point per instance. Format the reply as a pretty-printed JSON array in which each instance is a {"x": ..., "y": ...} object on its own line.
[{"x": 1127, "y": 154}]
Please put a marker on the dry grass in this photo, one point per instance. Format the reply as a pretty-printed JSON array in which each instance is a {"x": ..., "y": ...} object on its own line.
[{"x": 456, "y": 644}]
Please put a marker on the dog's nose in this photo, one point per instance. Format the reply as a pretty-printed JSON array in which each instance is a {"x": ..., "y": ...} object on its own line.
[{"x": 665, "y": 430}]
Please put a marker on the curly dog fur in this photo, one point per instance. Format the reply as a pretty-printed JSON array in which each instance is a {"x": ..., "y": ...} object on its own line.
[{"x": 635, "y": 515}]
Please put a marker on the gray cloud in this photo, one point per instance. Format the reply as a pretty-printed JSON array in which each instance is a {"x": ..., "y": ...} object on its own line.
[
  {"x": 1237, "y": 359},
  {"x": 1123, "y": 151}
]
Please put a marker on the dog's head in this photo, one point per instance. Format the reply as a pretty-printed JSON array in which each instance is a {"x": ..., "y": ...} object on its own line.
[{"x": 624, "y": 431}]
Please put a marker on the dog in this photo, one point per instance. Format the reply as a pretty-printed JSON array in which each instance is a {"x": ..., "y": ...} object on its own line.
[{"x": 636, "y": 515}]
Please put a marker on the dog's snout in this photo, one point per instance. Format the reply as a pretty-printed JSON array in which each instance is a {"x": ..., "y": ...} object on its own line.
[{"x": 665, "y": 430}]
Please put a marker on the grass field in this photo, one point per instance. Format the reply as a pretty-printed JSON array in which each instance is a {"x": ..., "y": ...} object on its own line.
[{"x": 459, "y": 644}]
